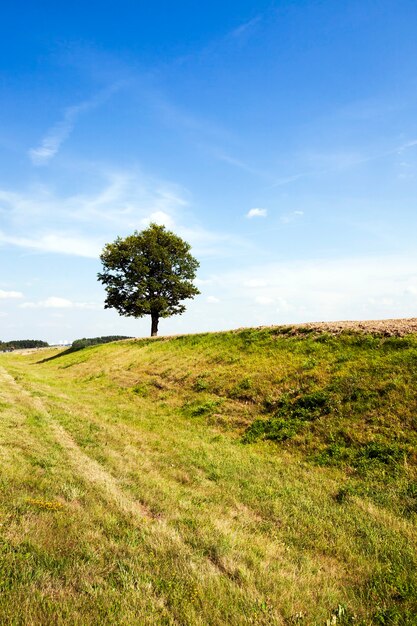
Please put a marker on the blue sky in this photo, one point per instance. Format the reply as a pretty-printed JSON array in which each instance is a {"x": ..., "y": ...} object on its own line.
[{"x": 278, "y": 138}]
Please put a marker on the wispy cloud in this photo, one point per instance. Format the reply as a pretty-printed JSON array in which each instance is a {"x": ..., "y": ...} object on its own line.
[
  {"x": 57, "y": 242},
  {"x": 228, "y": 41},
  {"x": 80, "y": 224},
  {"x": 245, "y": 28},
  {"x": 59, "y": 132},
  {"x": 290, "y": 179},
  {"x": 290, "y": 217},
  {"x": 322, "y": 163},
  {"x": 175, "y": 116},
  {"x": 242, "y": 165},
  {"x": 256, "y": 212},
  {"x": 122, "y": 197},
  {"x": 405, "y": 146}
]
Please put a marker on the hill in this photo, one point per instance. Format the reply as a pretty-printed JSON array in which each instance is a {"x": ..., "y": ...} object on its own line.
[{"x": 261, "y": 476}]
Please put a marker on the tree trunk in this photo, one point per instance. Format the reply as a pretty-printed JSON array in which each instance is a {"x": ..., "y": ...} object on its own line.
[{"x": 154, "y": 327}]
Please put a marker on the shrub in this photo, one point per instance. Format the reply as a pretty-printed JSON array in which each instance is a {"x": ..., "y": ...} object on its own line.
[
  {"x": 201, "y": 384},
  {"x": 373, "y": 455},
  {"x": 274, "y": 429},
  {"x": 242, "y": 390},
  {"x": 202, "y": 408},
  {"x": 290, "y": 415}
]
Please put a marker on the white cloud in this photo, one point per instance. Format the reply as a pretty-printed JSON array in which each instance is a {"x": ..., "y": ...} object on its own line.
[
  {"x": 212, "y": 300},
  {"x": 282, "y": 305},
  {"x": 123, "y": 199},
  {"x": 10, "y": 295},
  {"x": 50, "y": 303},
  {"x": 314, "y": 290},
  {"x": 206, "y": 243},
  {"x": 255, "y": 282},
  {"x": 264, "y": 300},
  {"x": 57, "y": 242},
  {"x": 80, "y": 224},
  {"x": 257, "y": 213},
  {"x": 158, "y": 217},
  {"x": 54, "y": 302},
  {"x": 200, "y": 282}
]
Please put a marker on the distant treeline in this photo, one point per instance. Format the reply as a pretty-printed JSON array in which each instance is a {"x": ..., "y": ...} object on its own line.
[
  {"x": 78, "y": 344},
  {"x": 22, "y": 344}
]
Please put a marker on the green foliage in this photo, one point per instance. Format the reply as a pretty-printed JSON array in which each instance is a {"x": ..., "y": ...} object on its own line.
[
  {"x": 289, "y": 416},
  {"x": 243, "y": 390},
  {"x": 373, "y": 455},
  {"x": 148, "y": 273},
  {"x": 394, "y": 592},
  {"x": 78, "y": 344},
  {"x": 141, "y": 389},
  {"x": 201, "y": 384},
  {"x": 197, "y": 409},
  {"x": 274, "y": 429},
  {"x": 22, "y": 344},
  {"x": 345, "y": 493}
]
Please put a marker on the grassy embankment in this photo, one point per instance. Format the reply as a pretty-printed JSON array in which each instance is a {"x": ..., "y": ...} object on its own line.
[{"x": 234, "y": 478}]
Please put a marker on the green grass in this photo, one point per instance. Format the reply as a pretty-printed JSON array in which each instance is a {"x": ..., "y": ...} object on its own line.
[{"x": 250, "y": 477}]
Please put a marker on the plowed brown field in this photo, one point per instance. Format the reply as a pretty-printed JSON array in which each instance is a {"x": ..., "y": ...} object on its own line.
[{"x": 388, "y": 328}]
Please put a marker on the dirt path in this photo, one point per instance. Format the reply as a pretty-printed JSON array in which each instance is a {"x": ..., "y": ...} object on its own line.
[{"x": 90, "y": 470}]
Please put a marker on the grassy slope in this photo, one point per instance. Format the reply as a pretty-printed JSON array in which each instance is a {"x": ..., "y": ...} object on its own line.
[{"x": 239, "y": 478}]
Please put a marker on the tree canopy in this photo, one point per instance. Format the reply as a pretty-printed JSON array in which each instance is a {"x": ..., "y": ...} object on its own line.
[
  {"x": 20, "y": 344},
  {"x": 148, "y": 273},
  {"x": 86, "y": 342}
]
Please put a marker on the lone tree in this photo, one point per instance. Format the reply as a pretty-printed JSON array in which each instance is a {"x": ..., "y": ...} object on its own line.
[{"x": 148, "y": 273}]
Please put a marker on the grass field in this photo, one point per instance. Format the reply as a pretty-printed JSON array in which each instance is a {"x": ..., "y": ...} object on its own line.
[{"x": 250, "y": 477}]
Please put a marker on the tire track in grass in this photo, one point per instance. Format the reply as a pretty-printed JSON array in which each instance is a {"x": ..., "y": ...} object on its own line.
[
  {"x": 88, "y": 468},
  {"x": 92, "y": 472},
  {"x": 216, "y": 575}
]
